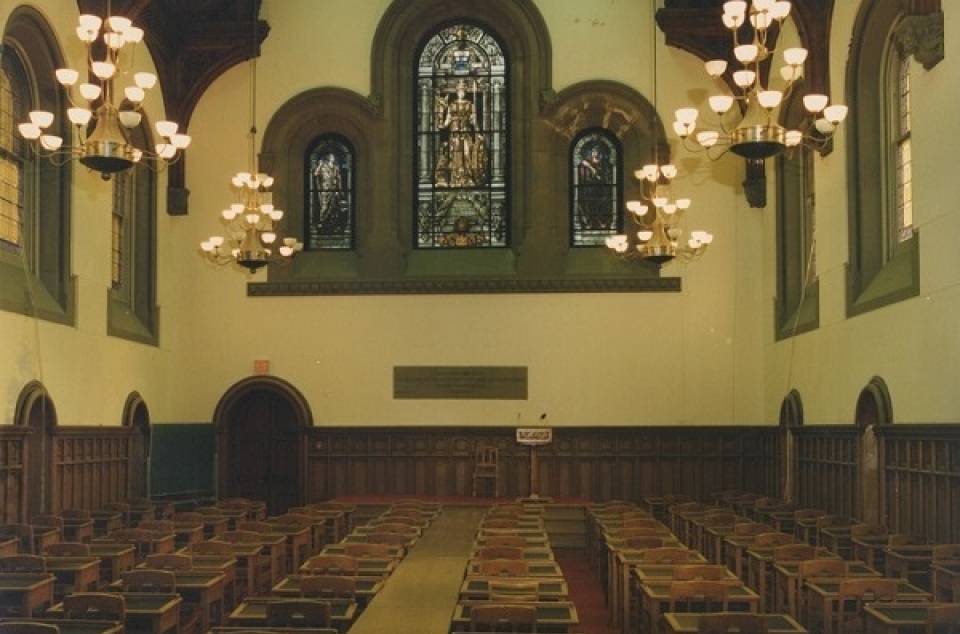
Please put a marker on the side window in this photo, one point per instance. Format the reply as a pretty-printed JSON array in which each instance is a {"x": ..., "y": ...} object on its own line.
[
  {"x": 596, "y": 187},
  {"x": 330, "y": 194}
]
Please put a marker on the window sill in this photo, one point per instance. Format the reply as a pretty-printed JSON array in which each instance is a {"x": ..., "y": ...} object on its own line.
[
  {"x": 23, "y": 293},
  {"x": 804, "y": 318},
  {"x": 123, "y": 323},
  {"x": 897, "y": 280}
]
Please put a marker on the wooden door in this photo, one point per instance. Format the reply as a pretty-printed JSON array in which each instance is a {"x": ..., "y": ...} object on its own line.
[{"x": 263, "y": 445}]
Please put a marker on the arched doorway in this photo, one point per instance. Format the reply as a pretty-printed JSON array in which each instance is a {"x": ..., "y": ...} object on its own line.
[
  {"x": 874, "y": 408},
  {"x": 261, "y": 427},
  {"x": 136, "y": 416},
  {"x": 791, "y": 419},
  {"x": 36, "y": 413}
]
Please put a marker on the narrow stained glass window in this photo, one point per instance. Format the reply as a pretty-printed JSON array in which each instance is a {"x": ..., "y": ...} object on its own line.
[
  {"x": 904, "y": 164},
  {"x": 14, "y": 157},
  {"x": 330, "y": 182},
  {"x": 461, "y": 178},
  {"x": 596, "y": 189}
]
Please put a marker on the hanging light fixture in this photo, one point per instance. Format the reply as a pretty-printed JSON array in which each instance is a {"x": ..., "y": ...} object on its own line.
[
  {"x": 99, "y": 112},
  {"x": 657, "y": 212},
  {"x": 251, "y": 237},
  {"x": 750, "y": 129}
]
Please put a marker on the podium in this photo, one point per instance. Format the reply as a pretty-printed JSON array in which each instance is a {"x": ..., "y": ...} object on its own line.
[{"x": 534, "y": 437}]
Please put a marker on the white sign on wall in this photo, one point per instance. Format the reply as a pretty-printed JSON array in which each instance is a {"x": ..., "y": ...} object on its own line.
[{"x": 534, "y": 435}]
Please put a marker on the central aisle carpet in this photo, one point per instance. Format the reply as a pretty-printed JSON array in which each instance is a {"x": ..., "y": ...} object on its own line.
[{"x": 420, "y": 595}]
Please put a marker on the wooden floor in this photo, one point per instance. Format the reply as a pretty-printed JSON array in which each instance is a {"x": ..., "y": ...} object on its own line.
[{"x": 421, "y": 593}]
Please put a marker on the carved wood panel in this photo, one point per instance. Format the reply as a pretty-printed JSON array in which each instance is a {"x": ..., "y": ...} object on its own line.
[
  {"x": 828, "y": 466},
  {"x": 91, "y": 467},
  {"x": 12, "y": 475}
]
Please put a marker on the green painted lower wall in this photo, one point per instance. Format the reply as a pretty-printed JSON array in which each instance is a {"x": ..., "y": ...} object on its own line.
[{"x": 182, "y": 460}]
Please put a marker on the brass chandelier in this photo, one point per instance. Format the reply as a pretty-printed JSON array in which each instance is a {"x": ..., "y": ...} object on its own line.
[
  {"x": 99, "y": 112},
  {"x": 746, "y": 122}
]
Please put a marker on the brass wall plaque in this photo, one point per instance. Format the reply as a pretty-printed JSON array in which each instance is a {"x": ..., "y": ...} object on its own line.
[{"x": 460, "y": 382}]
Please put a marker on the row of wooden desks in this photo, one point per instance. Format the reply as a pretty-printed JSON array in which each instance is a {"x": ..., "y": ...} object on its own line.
[
  {"x": 79, "y": 626},
  {"x": 158, "y": 613}
]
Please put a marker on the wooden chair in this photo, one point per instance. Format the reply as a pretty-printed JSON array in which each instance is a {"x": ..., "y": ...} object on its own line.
[
  {"x": 705, "y": 572},
  {"x": 639, "y": 543},
  {"x": 666, "y": 555},
  {"x": 485, "y": 468},
  {"x": 298, "y": 613},
  {"x": 22, "y": 532},
  {"x": 212, "y": 548},
  {"x": 360, "y": 550},
  {"x": 397, "y": 519},
  {"x": 500, "y": 523},
  {"x": 170, "y": 561},
  {"x": 67, "y": 549},
  {"x": 391, "y": 539},
  {"x": 747, "y": 529},
  {"x": 946, "y": 553},
  {"x": 794, "y": 552},
  {"x": 732, "y": 622},
  {"x": 493, "y": 618},
  {"x": 813, "y": 569},
  {"x": 48, "y": 520},
  {"x": 507, "y": 591},
  {"x": 626, "y": 533},
  {"x": 22, "y": 563},
  {"x": 773, "y": 539},
  {"x": 499, "y": 552},
  {"x": 328, "y": 586},
  {"x": 396, "y": 527},
  {"x": 167, "y": 526},
  {"x": 943, "y": 619},
  {"x": 256, "y": 527},
  {"x": 854, "y": 594},
  {"x": 712, "y": 594},
  {"x": 641, "y": 522},
  {"x": 96, "y": 606},
  {"x": 504, "y": 568},
  {"x": 331, "y": 564},
  {"x": 506, "y": 541},
  {"x": 146, "y": 580},
  {"x": 28, "y": 627}
]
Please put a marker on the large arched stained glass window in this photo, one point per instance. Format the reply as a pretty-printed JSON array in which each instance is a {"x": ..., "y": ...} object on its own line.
[
  {"x": 330, "y": 182},
  {"x": 462, "y": 140},
  {"x": 595, "y": 188},
  {"x": 14, "y": 154}
]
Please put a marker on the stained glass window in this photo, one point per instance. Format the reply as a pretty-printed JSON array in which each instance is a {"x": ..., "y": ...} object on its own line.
[
  {"x": 595, "y": 187},
  {"x": 462, "y": 140},
  {"x": 330, "y": 182},
  {"x": 14, "y": 96},
  {"x": 904, "y": 160}
]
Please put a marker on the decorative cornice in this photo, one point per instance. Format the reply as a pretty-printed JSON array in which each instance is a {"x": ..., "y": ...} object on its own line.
[
  {"x": 463, "y": 286},
  {"x": 922, "y": 37}
]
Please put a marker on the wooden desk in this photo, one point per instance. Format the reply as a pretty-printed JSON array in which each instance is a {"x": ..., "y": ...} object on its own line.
[
  {"x": 805, "y": 530},
  {"x": 946, "y": 582},
  {"x": 140, "y": 512},
  {"x": 249, "y": 582},
  {"x": 26, "y": 594},
  {"x": 115, "y": 559},
  {"x": 782, "y": 521},
  {"x": 414, "y": 532},
  {"x": 215, "y": 525},
  {"x": 911, "y": 563},
  {"x": 713, "y": 540},
  {"x": 156, "y": 542},
  {"x": 540, "y": 540},
  {"x": 206, "y": 588},
  {"x": 656, "y": 506},
  {"x": 655, "y": 601},
  {"x": 897, "y": 618},
  {"x": 154, "y": 612},
  {"x": 689, "y": 623},
  {"x": 649, "y": 573},
  {"x": 74, "y": 574},
  {"x": 552, "y": 616},
  {"x": 354, "y": 538},
  {"x": 299, "y": 541},
  {"x": 761, "y": 577},
  {"x": 80, "y": 626},
  {"x": 787, "y": 583},
  {"x": 869, "y": 549},
  {"x": 821, "y": 597},
  {"x": 618, "y": 594},
  {"x": 185, "y": 536},
  {"x": 535, "y": 569},
  {"x": 9, "y": 546},
  {"x": 77, "y": 530},
  {"x": 393, "y": 552},
  {"x": 836, "y": 539},
  {"x": 105, "y": 522},
  {"x": 367, "y": 588},
  {"x": 43, "y": 536},
  {"x": 252, "y": 613},
  {"x": 226, "y": 566},
  {"x": 735, "y": 549},
  {"x": 376, "y": 567},
  {"x": 532, "y": 553},
  {"x": 275, "y": 630},
  {"x": 478, "y": 588}
]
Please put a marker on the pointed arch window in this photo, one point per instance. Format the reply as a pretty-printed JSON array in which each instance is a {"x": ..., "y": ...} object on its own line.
[
  {"x": 15, "y": 159},
  {"x": 331, "y": 194},
  {"x": 461, "y": 178},
  {"x": 596, "y": 187},
  {"x": 900, "y": 125}
]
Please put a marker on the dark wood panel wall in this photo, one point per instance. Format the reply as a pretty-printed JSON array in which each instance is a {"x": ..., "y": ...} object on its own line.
[
  {"x": 592, "y": 463},
  {"x": 13, "y": 474},
  {"x": 828, "y": 468}
]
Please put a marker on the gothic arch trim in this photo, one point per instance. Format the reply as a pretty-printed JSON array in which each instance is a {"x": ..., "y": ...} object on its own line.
[
  {"x": 32, "y": 394},
  {"x": 791, "y": 410},
  {"x": 874, "y": 406},
  {"x": 269, "y": 383}
]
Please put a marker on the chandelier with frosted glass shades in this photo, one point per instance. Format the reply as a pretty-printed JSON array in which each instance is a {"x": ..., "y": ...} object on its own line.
[
  {"x": 101, "y": 113},
  {"x": 251, "y": 235},
  {"x": 746, "y": 123}
]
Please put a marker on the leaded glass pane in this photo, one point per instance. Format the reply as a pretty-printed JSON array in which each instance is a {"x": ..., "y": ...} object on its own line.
[
  {"x": 14, "y": 105},
  {"x": 462, "y": 140},
  {"x": 595, "y": 188},
  {"x": 904, "y": 167},
  {"x": 330, "y": 182},
  {"x": 121, "y": 198}
]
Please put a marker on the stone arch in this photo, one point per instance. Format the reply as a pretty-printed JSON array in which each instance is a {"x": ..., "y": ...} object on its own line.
[
  {"x": 874, "y": 409},
  {"x": 791, "y": 420},
  {"x": 136, "y": 417},
  {"x": 874, "y": 406},
  {"x": 36, "y": 413}
]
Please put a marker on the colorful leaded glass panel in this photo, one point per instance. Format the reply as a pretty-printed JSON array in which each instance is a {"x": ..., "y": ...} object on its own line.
[
  {"x": 14, "y": 91},
  {"x": 330, "y": 182},
  {"x": 595, "y": 188},
  {"x": 462, "y": 140},
  {"x": 904, "y": 220}
]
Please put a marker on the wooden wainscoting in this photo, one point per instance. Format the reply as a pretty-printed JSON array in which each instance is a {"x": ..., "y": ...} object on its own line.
[
  {"x": 828, "y": 465},
  {"x": 12, "y": 473},
  {"x": 595, "y": 463},
  {"x": 920, "y": 466},
  {"x": 91, "y": 467}
]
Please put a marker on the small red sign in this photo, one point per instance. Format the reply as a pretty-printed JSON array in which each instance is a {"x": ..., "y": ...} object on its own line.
[{"x": 261, "y": 366}]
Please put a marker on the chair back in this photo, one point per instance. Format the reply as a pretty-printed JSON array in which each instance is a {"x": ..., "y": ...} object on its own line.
[
  {"x": 28, "y": 627},
  {"x": 396, "y": 527},
  {"x": 361, "y": 550},
  {"x": 773, "y": 539},
  {"x": 392, "y": 539},
  {"x": 328, "y": 586},
  {"x": 706, "y": 572},
  {"x": 240, "y": 537},
  {"x": 130, "y": 535},
  {"x": 169, "y": 561},
  {"x": 212, "y": 548},
  {"x": 946, "y": 553},
  {"x": 390, "y": 518},
  {"x": 166, "y": 526},
  {"x": 67, "y": 549},
  {"x": 189, "y": 516},
  {"x": 405, "y": 511},
  {"x": 506, "y": 590},
  {"x": 720, "y": 518},
  {"x": 331, "y": 564},
  {"x": 666, "y": 555},
  {"x": 23, "y": 563},
  {"x": 97, "y": 606},
  {"x": 500, "y": 523},
  {"x": 495, "y": 617},
  {"x": 256, "y": 527},
  {"x": 641, "y": 522},
  {"x": 906, "y": 540},
  {"x": 808, "y": 514},
  {"x": 943, "y": 619},
  {"x": 712, "y": 594},
  {"x": 868, "y": 530},
  {"x": 642, "y": 542},
  {"x": 794, "y": 552},
  {"x": 298, "y": 613},
  {"x": 506, "y": 541},
  {"x": 732, "y": 622},
  {"x": 22, "y": 532},
  {"x": 486, "y": 456},
  {"x": 747, "y": 529},
  {"x": 48, "y": 520},
  {"x": 503, "y": 568},
  {"x": 146, "y": 580},
  {"x": 499, "y": 552},
  {"x": 854, "y": 594},
  {"x": 815, "y": 568},
  {"x": 75, "y": 514}
]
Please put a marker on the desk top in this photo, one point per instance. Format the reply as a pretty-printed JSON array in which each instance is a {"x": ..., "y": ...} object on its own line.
[
  {"x": 367, "y": 565},
  {"x": 57, "y": 563},
  {"x": 395, "y": 552},
  {"x": 22, "y": 581},
  {"x": 239, "y": 549},
  {"x": 913, "y": 552},
  {"x": 831, "y": 587},
  {"x": 950, "y": 568},
  {"x": 530, "y": 553},
  {"x": 545, "y": 585},
  {"x": 548, "y": 613},
  {"x": 899, "y": 613},
  {"x": 634, "y": 556},
  {"x": 110, "y": 549},
  {"x": 765, "y": 553},
  {"x": 690, "y": 622},
  {"x": 659, "y": 573},
  {"x": 534, "y": 568},
  {"x": 660, "y": 591},
  {"x": 854, "y": 569},
  {"x": 291, "y": 585},
  {"x": 78, "y": 626},
  {"x": 143, "y": 603},
  {"x": 256, "y": 610}
]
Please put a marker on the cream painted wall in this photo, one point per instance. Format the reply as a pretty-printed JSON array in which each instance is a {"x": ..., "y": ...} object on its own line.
[
  {"x": 914, "y": 344},
  {"x": 689, "y": 358},
  {"x": 87, "y": 373}
]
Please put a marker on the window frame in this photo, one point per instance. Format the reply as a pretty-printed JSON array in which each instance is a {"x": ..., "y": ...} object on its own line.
[
  {"x": 307, "y": 191},
  {"x": 618, "y": 185}
]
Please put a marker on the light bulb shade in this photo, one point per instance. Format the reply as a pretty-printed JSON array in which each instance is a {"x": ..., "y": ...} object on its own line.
[
  {"x": 133, "y": 35},
  {"x": 130, "y": 118},
  {"x": 651, "y": 171},
  {"x": 118, "y": 23},
  {"x": 669, "y": 171},
  {"x": 733, "y": 22},
  {"x": 697, "y": 235},
  {"x": 237, "y": 208},
  {"x": 824, "y": 127},
  {"x": 103, "y": 70},
  {"x": 51, "y": 142},
  {"x": 683, "y": 203},
  {"x": 145, "y": 80},
  {"x": 166, "y": 150},
  {"x": 67, "y": 76},
  {"x": 114, "y": 40},
  {"x": 637, "y": 208},
  {"x": 644, "y": 235},
  {"x": 769, "y": 99},
  {"x": 735, "y": 7},
  {"x": 693, "y": 243},
  {"x": 267, "y": 182},
  {"x": 90, "y": 92},
  {"x": 835, "y": 114},
  {"x": 761, "y": 21},
  {"x": 266, "y": 208},
  {"x": 746, "y": 53},
  {"x": 744, "y": 78},
  {"x": 286, "y": 251},
  {"x": 236, "y": 182},
  {"x": 682, "y": 131},
  {"x": 721, "y": 103},
  {"x": 674, "y": 232},
  {"x": 687, "y": 116},
  {"x": 79, "y": 116},
  {"x": 815, "y": 103},
  {"x": 708, "y": 138},
  {"x": 180, "y": 141},
  {"x": 136, "y": 154},
  {"x": 780, "y": 10},
  {"x": 762, "y": 5},
  {"x": 166, "y": 128},
  {"x": 290, "y": 242},
  {"x": 252, "y": 219},
  {"x": 659, "y": 201},
  {"x": 90, "y": 22},
  {"x": 86, "y": 35},
  {"x": 30, "y": 131},
  {"x": 707, "y": 238},
  {"x": 41, "y": 118},
  {"x": 268, "y": 237},
  {"x": 716, "y": 67},
  {"x": 134, "y": 94},
  {"x": 795, "y": 56},
  {"x": 791, "y": 73},
  {"x": 235, "y": 253},
  {"x": 276, "y": 214},
  {"x": 228, "y": 214},
  {"x": 793, "y": 138},
  {"x": 670, "y": 209},
  {"x": 206, "y": 246}
]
